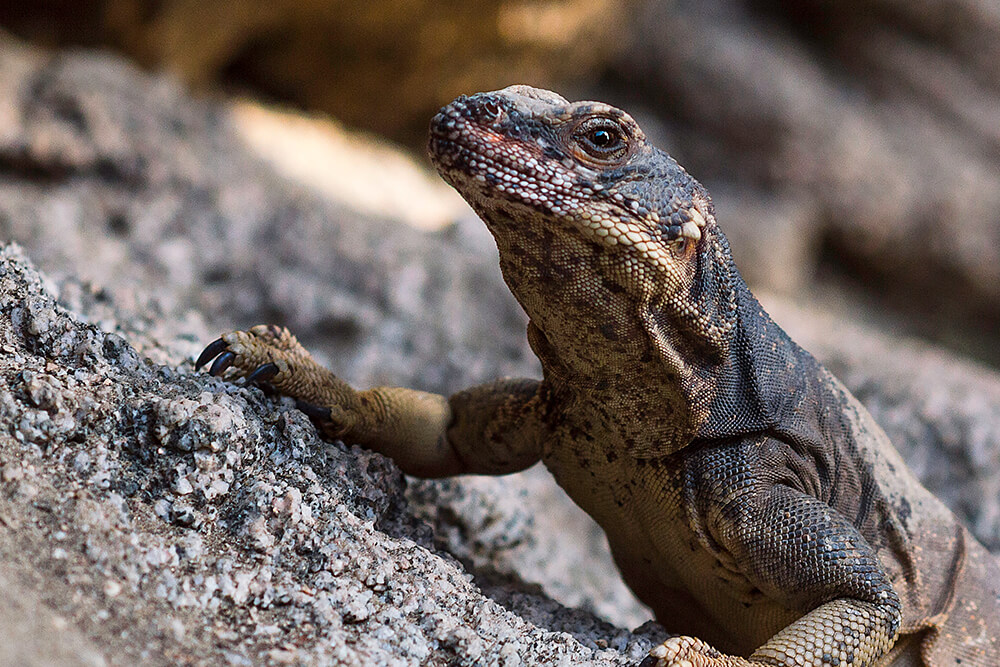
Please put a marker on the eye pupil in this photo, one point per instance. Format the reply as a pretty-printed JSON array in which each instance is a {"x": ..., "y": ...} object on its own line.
[{"x": 601, "y": 137}]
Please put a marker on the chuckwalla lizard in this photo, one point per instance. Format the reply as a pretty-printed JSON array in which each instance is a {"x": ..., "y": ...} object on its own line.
[{"x": 747, "y": 496}]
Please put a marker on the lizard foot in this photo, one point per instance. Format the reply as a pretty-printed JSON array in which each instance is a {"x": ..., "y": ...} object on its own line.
[
  {"x": 271, "y": 356},
  {"x": 690, "y": 652}
]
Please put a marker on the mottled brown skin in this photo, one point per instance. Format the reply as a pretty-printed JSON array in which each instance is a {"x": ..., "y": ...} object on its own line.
[{"x": 748, "y": 498}]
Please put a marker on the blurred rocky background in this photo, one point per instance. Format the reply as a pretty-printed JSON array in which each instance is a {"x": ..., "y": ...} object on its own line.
[{"x": 176, "y": 169}]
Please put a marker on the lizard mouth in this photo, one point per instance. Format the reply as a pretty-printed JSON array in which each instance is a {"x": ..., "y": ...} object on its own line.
[{"x": 479, "y": 146}]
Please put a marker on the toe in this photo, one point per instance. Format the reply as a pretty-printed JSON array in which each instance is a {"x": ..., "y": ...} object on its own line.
[
  {"x": 263, "y": 373},
  {"x": 314, "y": 411},
  {"x": 210, "y": 352},
  {"x": 222, "y": 362}
]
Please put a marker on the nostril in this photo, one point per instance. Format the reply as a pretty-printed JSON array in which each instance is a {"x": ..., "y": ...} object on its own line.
[{"x": 491, "y": 110}]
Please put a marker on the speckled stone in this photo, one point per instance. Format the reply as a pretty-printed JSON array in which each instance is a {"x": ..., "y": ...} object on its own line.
[{"x": 175, "y": 517}]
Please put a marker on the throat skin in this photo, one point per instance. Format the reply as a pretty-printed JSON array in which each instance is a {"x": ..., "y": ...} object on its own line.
[{"x": 593, "y": 338}]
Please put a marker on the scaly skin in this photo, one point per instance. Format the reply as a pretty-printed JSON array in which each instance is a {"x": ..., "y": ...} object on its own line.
[{"x": 748, "y": 498}]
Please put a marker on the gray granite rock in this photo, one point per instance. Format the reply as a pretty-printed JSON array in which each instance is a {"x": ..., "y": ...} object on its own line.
[{"x": 171, "y": 517}]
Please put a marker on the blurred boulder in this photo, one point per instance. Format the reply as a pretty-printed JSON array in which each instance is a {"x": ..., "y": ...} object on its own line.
[{"x": 385, "y": 66}]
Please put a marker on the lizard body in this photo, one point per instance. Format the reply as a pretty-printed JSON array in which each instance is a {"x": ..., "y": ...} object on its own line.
[{"x": 748, "y": 498}]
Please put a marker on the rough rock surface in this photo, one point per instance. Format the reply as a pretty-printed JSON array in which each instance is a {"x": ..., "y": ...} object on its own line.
[
  {"x": 175, "y": 518},
  {"x": 122, "y": 180}
]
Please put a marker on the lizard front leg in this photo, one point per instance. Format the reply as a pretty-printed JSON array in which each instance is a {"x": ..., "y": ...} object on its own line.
[
  {"x": 804, "y": 554},
  {"x": 495, "y": 428}
]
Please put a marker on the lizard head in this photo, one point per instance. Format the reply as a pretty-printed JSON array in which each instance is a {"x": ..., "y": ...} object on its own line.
[{"x": 534, "y": 165}]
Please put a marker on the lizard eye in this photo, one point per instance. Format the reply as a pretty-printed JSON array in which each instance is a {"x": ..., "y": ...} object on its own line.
[{"x": 601, "y": 139}]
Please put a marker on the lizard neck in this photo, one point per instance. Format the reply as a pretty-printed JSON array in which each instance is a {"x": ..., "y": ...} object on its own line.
[
  {"x": 592, "y": 337},
  {"x": 688, "y": 377},
  {"x": 765, "y": 380}
]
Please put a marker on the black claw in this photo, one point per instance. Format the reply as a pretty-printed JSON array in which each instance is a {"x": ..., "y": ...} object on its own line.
[
  {"x": 224, "y": 361},
  {"x": 210, "y": 352},
  {"x": 262, "y": 373},
  {"x": 649, "y": 661},
  {"x": 313, "y": 411}
]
